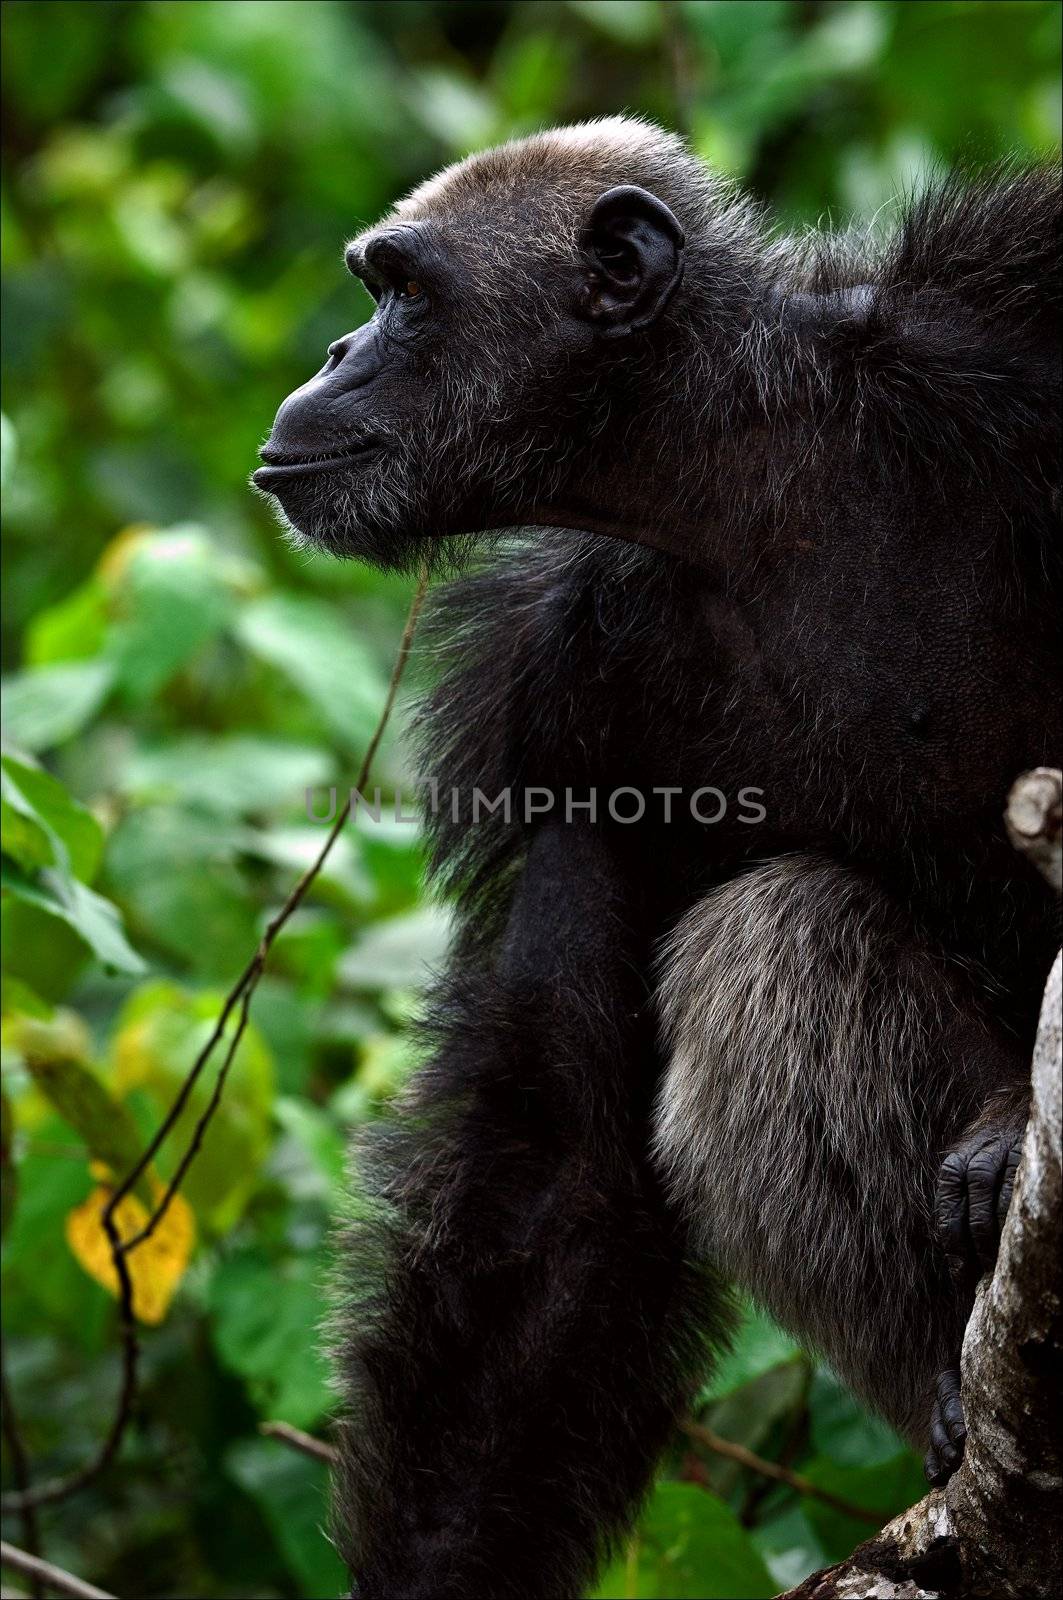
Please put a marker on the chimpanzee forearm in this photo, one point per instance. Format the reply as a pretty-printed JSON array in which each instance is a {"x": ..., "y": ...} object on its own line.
[{"x": 537, "y": 1326}]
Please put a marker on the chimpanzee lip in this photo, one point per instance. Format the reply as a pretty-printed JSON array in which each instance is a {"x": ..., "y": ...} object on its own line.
[{"x": 279, "y": 466}]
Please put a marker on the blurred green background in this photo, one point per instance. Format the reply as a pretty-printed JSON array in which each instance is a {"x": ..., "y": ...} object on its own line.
[{"x": 178, "y": 181}]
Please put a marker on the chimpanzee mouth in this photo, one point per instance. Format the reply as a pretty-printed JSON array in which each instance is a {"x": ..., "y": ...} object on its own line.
[{"x": 278, "y": 466}]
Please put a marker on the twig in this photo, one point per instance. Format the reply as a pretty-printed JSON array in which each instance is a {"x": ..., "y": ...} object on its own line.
[
  {"x": 239, "y": 996},
  {"x": 50, "y": 1576},
  {"x": 306, "y": 1442},
  {"x": 298, "y": 1440},
  {"x": 794, "y": 1438},
  {"x": 20, "y": 1468},
  {"x": 771, "y": 1469},
  {"x": 205, "y": 1118}
]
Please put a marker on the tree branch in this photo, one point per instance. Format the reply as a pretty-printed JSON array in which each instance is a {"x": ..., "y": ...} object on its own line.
[
  {"x": 49, "y": 1576},
  {"x": 305, "y": 1443},
  {"x": 771, "y": 1469},
  {"x": 993, "y": 1530}
]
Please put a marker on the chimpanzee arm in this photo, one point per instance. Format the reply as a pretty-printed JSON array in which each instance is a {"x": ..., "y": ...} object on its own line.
[{"x": 530, "y": 1327}]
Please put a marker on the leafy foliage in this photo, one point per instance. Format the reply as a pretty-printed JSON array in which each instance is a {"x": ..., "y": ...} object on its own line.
[
  {"x": 688, "y": 1544},
  {"x": 179, "y": 180},
  {"x": 157, "y": 1266}
]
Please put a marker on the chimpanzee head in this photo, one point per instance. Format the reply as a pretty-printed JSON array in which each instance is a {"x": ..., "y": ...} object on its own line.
[{"x": 537, "y": 310}]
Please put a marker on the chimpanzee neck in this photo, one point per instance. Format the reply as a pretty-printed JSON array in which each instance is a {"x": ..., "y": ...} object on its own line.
[
  {"x": 631, "y": 499},
  {"x": 637, "y": 524},
  {"x": 683, "y": 445}
]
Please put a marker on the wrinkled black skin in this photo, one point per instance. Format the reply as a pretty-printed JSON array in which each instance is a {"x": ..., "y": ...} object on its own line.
[{"x": 525, "y": 1325}]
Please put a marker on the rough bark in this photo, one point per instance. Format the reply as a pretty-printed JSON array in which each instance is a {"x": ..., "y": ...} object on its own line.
[{"x": 993, "y": 1532}]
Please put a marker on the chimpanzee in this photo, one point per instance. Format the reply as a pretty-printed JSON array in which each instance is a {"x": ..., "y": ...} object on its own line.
[{"x": 771, "y": 522}]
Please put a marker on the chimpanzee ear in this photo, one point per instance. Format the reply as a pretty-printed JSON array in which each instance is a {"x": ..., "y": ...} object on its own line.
[{"x": 632, "y": 261}]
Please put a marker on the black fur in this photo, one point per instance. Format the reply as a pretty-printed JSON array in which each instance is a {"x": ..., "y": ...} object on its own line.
[{"x": 849, "y": 451}]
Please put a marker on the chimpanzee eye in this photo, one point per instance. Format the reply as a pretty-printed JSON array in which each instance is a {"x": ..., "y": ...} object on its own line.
[{"x": 410, "y": 290}]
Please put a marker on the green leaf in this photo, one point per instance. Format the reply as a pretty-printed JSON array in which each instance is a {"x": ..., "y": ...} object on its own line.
[
  {"x": 455, "y": 108},
  {"x": 885, "y": 1489},
  {"x": 72, "y": 630},
  {"x": 843, "y": 1430},
  {"x": 265, "y": 1317},
  {"x": 159, "y": 1033},
  {"x": 789, "y": 1545},
  {"x": 241, "y": 775},
  {"x": 295, "y": 849},
  {"x": 394, "y": 860},
  {"x": 317, "y": 1134},
  {"x": 45, "y": 1291},
  {"x": 39, "y": 798},
  {"x": 399, "y": 952},
  {"x": 289, "y": 1024},
  {"x": 45, "y": 706},
  {"x": 307, "y": 949},
  {"x": 54, "y": 1053},
  {"x": 387, "y": 1059},
  {"x": 759, "y": 1345},
  {"x": 750, "y": 1415},
  {"x": 316, "y": 649},
  {"x": 629, "y": 22},
  {"x": 8, "y": 1176},
  {"x": 42, "y": 954},
  {"x": 293, "y": 1494},
  {"x": 54, "y": 72},
  {"x": 175, "y": 876},
  {"x": 25, "y": 839},
  {"x": 170, "y": 596},
  {"x": 19, "y": 997},
  {"x": 8, "y": 450},
  {"x": 689, "y": 1546},
  {"x": 93, "y": 919}
]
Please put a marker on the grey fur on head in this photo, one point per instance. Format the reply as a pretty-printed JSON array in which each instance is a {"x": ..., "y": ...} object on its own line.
[{"x": 539, "y": 190}]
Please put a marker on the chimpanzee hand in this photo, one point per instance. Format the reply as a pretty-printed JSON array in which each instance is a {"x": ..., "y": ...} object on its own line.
[
  {"x": 973, "y": 1194},
  {"x": 948, "y": 1430},
  {"x": 974, "y": 1190}
]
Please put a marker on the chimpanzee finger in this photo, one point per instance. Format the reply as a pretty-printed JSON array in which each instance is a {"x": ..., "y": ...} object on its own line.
[
  {"x": 950, "y": 1406},
  {"x": 950, "y": 1212},
  {"x": 985, "y": 1171},
  {"x": 934, "y": 1470}
]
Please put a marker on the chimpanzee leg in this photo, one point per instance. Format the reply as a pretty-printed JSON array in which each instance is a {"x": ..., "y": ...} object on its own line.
[{"x": 824, "y": 1060}]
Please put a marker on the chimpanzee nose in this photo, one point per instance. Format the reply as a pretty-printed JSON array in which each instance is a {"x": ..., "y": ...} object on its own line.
[
  {"x": 354, "y": 359},
  {"x": 339, "y": 348},
  {"x": 323, "y": 411}
]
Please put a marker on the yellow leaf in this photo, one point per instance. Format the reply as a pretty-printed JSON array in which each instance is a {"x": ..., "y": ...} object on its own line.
[
  {"x": 156, "y": 1267},
  {"x": 116, "y": 558}
]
